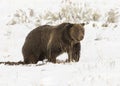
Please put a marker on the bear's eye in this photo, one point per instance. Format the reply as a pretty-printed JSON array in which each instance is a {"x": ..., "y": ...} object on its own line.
[{"x": 78, "y": 31}]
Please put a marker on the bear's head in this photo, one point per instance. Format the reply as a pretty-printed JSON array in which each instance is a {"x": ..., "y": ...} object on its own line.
[{"x": 76, "y": 31}]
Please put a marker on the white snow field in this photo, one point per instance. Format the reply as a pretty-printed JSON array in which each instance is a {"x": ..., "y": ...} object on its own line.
[{"x": 99, "y": 63}]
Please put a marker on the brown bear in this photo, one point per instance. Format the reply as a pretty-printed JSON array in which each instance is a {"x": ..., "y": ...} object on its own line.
[{"x": 47, "y": 42}]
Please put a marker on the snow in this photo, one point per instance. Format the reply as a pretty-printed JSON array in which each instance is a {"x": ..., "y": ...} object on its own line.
[{"x": 99, "y": 61}]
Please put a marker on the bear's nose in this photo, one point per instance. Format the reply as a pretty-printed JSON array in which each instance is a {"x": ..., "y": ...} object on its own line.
[{"x": 82, "y": 36}]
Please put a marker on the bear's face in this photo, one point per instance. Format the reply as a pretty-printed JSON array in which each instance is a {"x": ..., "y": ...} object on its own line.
[{"x": 77, "y": 32}]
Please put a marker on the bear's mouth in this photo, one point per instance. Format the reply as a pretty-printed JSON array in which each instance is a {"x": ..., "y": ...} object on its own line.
[
  {"x": 77, "y": 40},
  {"x": 81, "y": 38}
]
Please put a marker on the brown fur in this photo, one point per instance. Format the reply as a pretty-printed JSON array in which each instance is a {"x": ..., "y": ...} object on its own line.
[{"x": 47, "y": 42}]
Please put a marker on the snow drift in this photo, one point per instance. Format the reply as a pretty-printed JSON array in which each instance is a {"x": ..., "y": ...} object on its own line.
[{"x": 100, "y": 57}]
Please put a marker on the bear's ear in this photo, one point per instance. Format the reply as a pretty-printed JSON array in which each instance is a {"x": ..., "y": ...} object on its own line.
[
  {"x": 83, "y": 24},
  {"x": 68, "y": 25}
]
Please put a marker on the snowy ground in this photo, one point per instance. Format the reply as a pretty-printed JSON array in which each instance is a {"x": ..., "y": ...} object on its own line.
[{"x": 99, "y": 64}]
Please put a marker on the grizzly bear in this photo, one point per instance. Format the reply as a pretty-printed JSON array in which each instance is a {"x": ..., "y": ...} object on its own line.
[{"x": 47, "y": 42}]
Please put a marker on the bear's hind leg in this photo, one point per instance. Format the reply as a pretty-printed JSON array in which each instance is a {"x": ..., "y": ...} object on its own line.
[{"x": 30, "y": 60}]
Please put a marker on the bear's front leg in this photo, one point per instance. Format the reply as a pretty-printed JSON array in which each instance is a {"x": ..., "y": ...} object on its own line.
[
  {"x": 70, "y": 55},
  {"x": 76, "y": 52}
]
